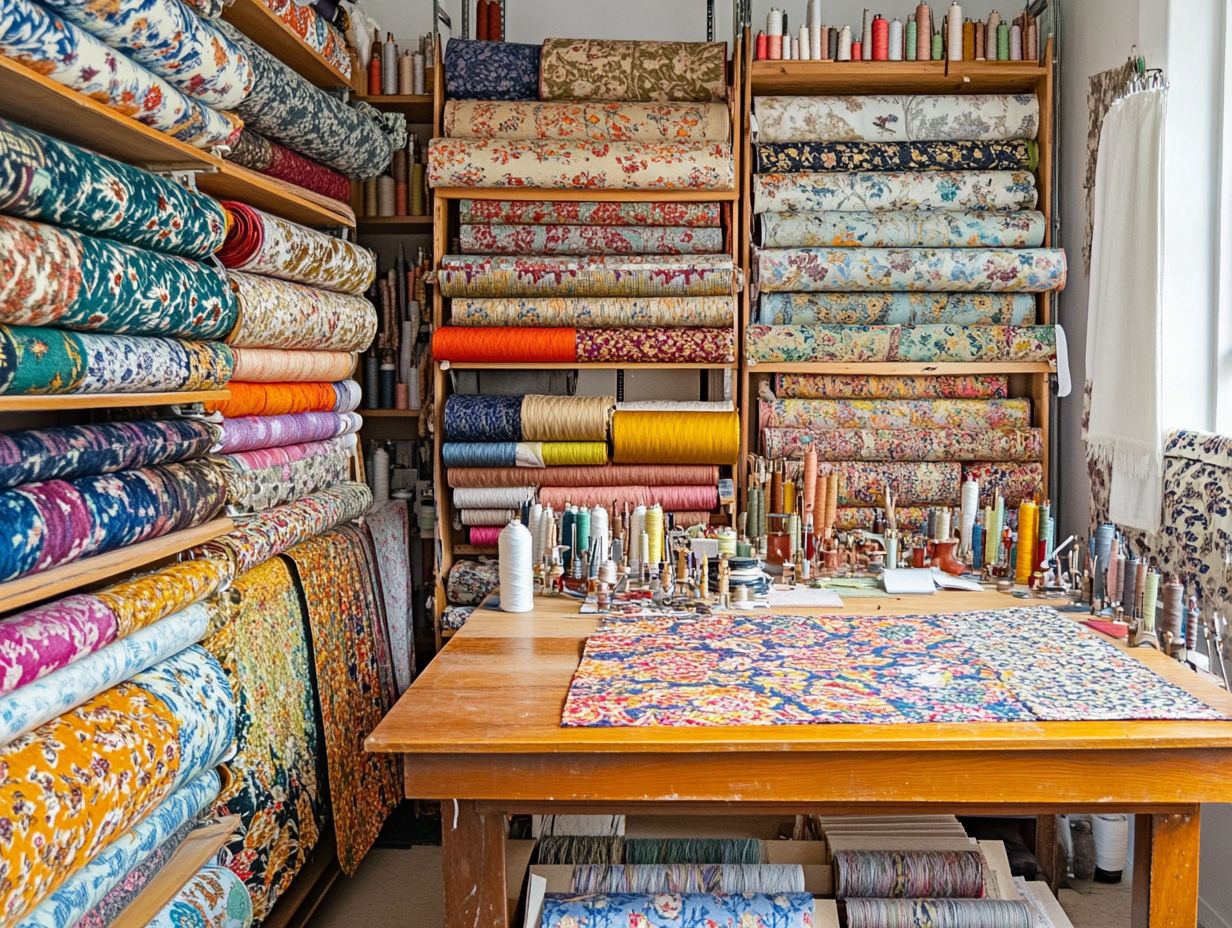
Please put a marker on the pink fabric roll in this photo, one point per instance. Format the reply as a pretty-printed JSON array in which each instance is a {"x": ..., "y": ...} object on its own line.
[
  {"x": 484, "y": 536},
  {"x": 611, "y": 475}
]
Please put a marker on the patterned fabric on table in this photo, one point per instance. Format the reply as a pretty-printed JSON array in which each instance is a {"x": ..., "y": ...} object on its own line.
[
  {"x": 669, "y": 910},
  {"x": 593, "y": 312},
  {"x": 274, "y": 785},
  {"x": 906, "y": 444},
  {"x": 594, "y": 121},
  {"x": 1011, "y": 665},
  {"x": 275, "y": 365},
  {"x": 897, "y": 118},
  {"x": 279, "y": 314},
  {"x": 250, "y": 433},
  {"x": 389, "y": 529},
  {"x": 896, "y": 414},
  {"x": 44, "y": 179},
  {"x": 958, "y": 155},
  {"x": 214, "y": 898},
  {"x": 794, "y": 343},
  {"x": 834, "y": 386},
  {"x": 37, "y": 38},
  {"x": 830, "y": 308},
  {"x": 931, "y": 229},
  {"x": 55, "y": 522},
  {"x": 263, "y": 244},
  {"x": 594, "y": 275},
  {"x": 981, "y": 191},
  {"x": 510, "y": 163},
  {"x": 605, "y": 69},
  {"x": 454, "y": 617},
  {"x": 170, "y": 40},
  {"x": 344, "y": 620},
  {"x": 481, "y": 70},
  {"x": 581, "y": 212},
  {"x": 318, "y": 34},
  {"x": 279, "y": 399},
  {"x": 1015, "y": 480},
  {"x": 53, "y": 276},
  {"x": 589, "y": 240},
  {"x": 645, "y": 345},
  {"x": 470, "y": 582},
  {"x": 915, "y": 483},
  {"x": 38, "y": 360},
  {"x": 268, "y": 477}
]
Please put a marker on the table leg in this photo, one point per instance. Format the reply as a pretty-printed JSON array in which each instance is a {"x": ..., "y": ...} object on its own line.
[
  {"x": 1165, "y": 891},
  {"x": 1047, "y": 850},
  {"x": 473, "y": 855}
]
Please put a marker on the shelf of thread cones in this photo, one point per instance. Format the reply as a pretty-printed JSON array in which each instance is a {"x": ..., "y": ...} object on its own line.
[
  {"x": 417, "y": 107},
  {"x": 902, "y": 367},
  {"x": 63, "y": 401},
  {"x": 395, "y": 225},
  {"x": 260, "y": 24}
]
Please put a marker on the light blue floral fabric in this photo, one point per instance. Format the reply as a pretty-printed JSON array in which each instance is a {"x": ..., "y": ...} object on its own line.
[
  {"x": 678, "y": 910},
  {"x": 214, "y": 898},
  {"x": 985, "y": 191},
  {"x": 931, "y": 229},
  {"x": 896, "y": 308}
]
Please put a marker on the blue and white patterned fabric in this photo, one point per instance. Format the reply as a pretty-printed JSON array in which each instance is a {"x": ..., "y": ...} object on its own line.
[
  {"x": 678, "y": 910},
  {"x": 480, "y": 70}
]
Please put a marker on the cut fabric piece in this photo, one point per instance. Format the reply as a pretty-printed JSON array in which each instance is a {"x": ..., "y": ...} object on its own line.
[
  {"x": 214, "y": 898},
  {"x": 588, "y": 240},
  {"x": 863, "y": 308},
  {"x": 796, "y": 343},
  {"x": 610, "y": 475},
  {"x": 255, "y": 151},
  {"x": 269, "y": 477},
  {"x": 906, "y": 444},
  {"x": 470, "y": 582},
  {"x": 250, "y": 433},
  {"x": 482, "y": 70},
  {"x": 454, "y": 617},
  {"x": 316, "y": 32},
  {"x": 581, "y": 212},
  {"x": 606, "y": 69},
  {"x": 510, "y": 163},
  {"x": 592, "y": 312},
  {"x": 960, "y": 154},
  {"x": 896, "y": 414},
  {"x": 275, "y": 365},
  {"x": 597, "y": 275},
  {"x": 837, "y": 386},
  {"x": 279, "y": 314},
  {"x": 666, "y": 910},
  {"x": 587, "y": 120},
  {"x": 389, "y": 530},
  {"x": 982, "y": 191},
  {"x": 1016, "y": 481},
  {"x": 887, "y": 229}
]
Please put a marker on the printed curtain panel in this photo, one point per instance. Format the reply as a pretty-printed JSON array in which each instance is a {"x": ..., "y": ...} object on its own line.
[
  {"x": 588, "y": 121},
  {"x": 491, "y": 70},
  {"x": 905, "y": 444},
  {"x": 816, "y": 414},
  {"x": 912, "y": 308},
  {"x": 796, "y": 343},
  {"x": 594, "y": 312},
  {"x": 839, "y": 386},
  {"x": 598, "y": 69},
  {"x": 279, "y": 314},
  {"x": 275, "y": 365},
  {"x": 929, "y": 229},
  {"x": 581, "y": 212},
  {"x": 588, "y": 240},
  {"x": 895, "y": 191},
  {"x": 594, "y": 275},
  {"x": 959, "y": 155},
  {"x": 255, "y": 151},
  {"x": 251, "y": 433}
]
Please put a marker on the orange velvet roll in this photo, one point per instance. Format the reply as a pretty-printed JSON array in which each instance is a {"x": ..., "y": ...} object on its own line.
[{"x": 504, "y": 344}]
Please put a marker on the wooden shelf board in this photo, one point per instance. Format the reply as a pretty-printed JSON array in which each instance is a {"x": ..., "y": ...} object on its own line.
[
  {"x": 260, "y": 24},
  {"x": 389, "y": 413},
  {"x": 903, "y": 367},
  {"x": 64, "y": 401},
  {"x": 581, "y": 366},
  {"x": 233, "y": 182},
  {"x": 474, "y": 550},
  {"x": 392, "y": 225},
  {"x": 587, "y": 194},
  {"x": 419, "y": 106},
  {"x": 796, "y": 77},
  {"x": 57, "y": 580}
]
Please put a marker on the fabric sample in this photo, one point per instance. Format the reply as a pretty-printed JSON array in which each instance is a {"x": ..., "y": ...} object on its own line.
[
  {"x": 214, "y": 898},
  {"x": 588, "y": 240},
  {"x": 316, "y": 32},
  {"x": 470, "y": 582},
  {"x": 863, "y": 308},
  {"x": 581, "y": 212},
  {"x": 593, "y": 312},
  {"x": 794, "y": 343},
  {"x": 280, "y": 314},
  {"x": 957, "y": 155},
  {"x": 840, "y": 386},
  {"x": 481, "y": 70},
  {"x": 896, "y": 414},
  {"x": 906, "y": 444},
  {"x": 268, "y": 477},
  {"x": 604, "y": 69},
  {"x": 254, "y": 151},
  {"x": 250, "y": 433},
  {"x": 45, "y": 179},
  {"x": 666, "y": 910},
  {"x": 897, "y": 118},
  {"x": 509, "y": 163},
  {"x": 278, "y": 399},
  {"x": 584, "y": 120},
  {"x": 609, "y": 475},
  {"x": 598, "y": 275},
  {"x": 980, "y": 191},
  {"x": 263, "y": 244},
  {"x": 275, "y": 365},
  {"x": 1016, "y": 481},
  {"x": 390, "y": 531},
  {"x": 927, "y": 229}
]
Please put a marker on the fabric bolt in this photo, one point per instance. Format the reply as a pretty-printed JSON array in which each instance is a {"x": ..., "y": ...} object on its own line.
[
  {"x": 1015, "y": 480},
  {"x": 863, "y": 308},
  {"x": 118, "y": 898},
  {"x": 906, "y": 444},
  {"x": 507, "y": 276},
  {"x": 927, "y": 229},
  {"x": 390, "y": 532},
  {"x": 681, "y": 345},
  {"x": 897, "y": 118},
  {"x": 685, "y": 498},
  {"x": 939, "y": 913},
  {"x": 170, "y": 40},
  {"x": 687, "y": 878},
  {"x": 512, "y": 163},
  {"x": 667, "y": 910},
  {"x": 47, "y": 180},
  {"x": 269, "y": 477},
  {"x": 588, "y": 240},
  {"x": 316, "y": 32},
  {"x": 796, "y": 343},
  {"x": 472, "y": 417},
  {"x": 593, "y": 312},
  {"x": 279, "y": 314},
  {"x": 54, "y": 276},
  {"x": 492, "y": 497},
  {"x": 840, "y": 386},
  {"x": 143, "y": 599},
  {"x": 896, "y": 413},
  {"x": 605, "y": 69},
  {"x": 279, "y": 399},
  {"x": 584, "y": 120},
  {"x": 649, "y": 437},
  {"x": 584, "y": 213},
  {"x": 254, "y": 151},
  {"x": 482, "y": 70},
  {"x": 610, "y": 475},
  {"x": 908, "y": 518},
  {"x": 263, "y": 244},
  {"x": 469, "y": 582},
  {"x": 528, "y": 454},
  {"x": 956, "y": 155},
  {"x": 214, "y": 898},
  {"x": 915, "y": 483},
  {"x": 250, "y": 433},
  {"x": 275, "y": 365},
  {"x": 39, "y": 39},
  {"x": 895, "y": 191},
  {"x": 454, "y": 617},
  {"x": 483, "y": 517}
]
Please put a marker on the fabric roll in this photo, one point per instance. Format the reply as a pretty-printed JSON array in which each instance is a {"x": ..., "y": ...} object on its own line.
[
  {"x": 589, "y": 240},
  {"x": 902, "y": 191},
  {"x": 906, "y": 444},
  {"x": 896, "y": 414},
  {"x": 479, "y": 517},
  {"x": 279, "y": 399},
  {"x": 897, "y": 118},
  {"x": 476, "y": 418},
  {"x": 482, "y": 70},
  {"x": 907, "y": 518},
  {"x": 1016, "y": 481},
  {"x": 682, "y": 345},
  {"x": 469, "y": 582},
  {"x": 454, "y": 617},
  {"x": 830, "y": 308},
  {"x": 939, "y": 913},
  {"x": 927, "y": 229},
  {"x": 502, "y": 163},
  {"x": 959, "y": 154},
  {"x": 492, "y": 497},
  {"x": 104, "y": 912},
  {"x": 611, "y": 475},
  {"x": 269, "y": 477},
  {"x": 169, "y": 40},
  {"x": 275, "y": 365},
  {"x": 55, "y": 522},
  {"x": 592, "y": 312},
  {"x": 688, "y": 498},
  {"x": 588, "y": 213},
  {"x": 389, "y": 530},
  {"x": 565, "y": 418},
  {"x": 316, "y": 32},
  {"x": 44, "y": 42},
  {"x": 915, "y": 483},
  {"x": 529, "y": 454},
  {"x": 64, "y": 452},
  {"x": 920, "y": 873},
  {"x": 688, "y": 878},
  {"x": 797, "y": 343},
  {"x": 280, "y": 314},
  {"x": 683, "y": 438},
  {"x": 664, "y": 910},
  {"x": 249, "y": 433},
  {"x": 263, "y": 244},
  {"x": 503, "y": 345},
  {"x": 598, "y": 275},
  {"x": 214, "y": 898},
  {"x": 54, "y": 276},
  {"x": 44, "y": 179},
  {"x": 606, "y": 69},
  {"x": 31, "y": 706},
  {"x": 585, "y": 120},
  {"x": 38, "y": 360},
  {"x": 254, "y": 151},
  {"x": 845, "y": 386},
  {"x": 144, "y": 599}
]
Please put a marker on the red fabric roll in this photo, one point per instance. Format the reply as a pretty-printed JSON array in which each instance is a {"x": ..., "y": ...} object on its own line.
[
  {"x": 244, "y": 234},
  {"x": 296, "y": 169},
  {"x": 503, "y": 344},
  {"x": 609, "y": 475}
]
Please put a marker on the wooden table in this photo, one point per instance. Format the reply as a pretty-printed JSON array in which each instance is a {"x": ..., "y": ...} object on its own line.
[{"x": 480, "y": 730}]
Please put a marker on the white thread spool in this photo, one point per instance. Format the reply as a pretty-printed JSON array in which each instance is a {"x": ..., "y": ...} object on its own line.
[
  {"x": 389, "y": 66},
  {"x": 637, "y": 525},
  {"x": 774, "y": 22},
  {"x": 406, "y": 81},
  {"x": 866, "y": 37},
  {"x": 943, "y": 525},
  {"x": 896, "y": 40},
  {"x": 517, "y": 588},
  {"x": 954, "y": 32},
  {"x": 534, "y": 519},
  {"x": 598, "y": 533},
  {"x": 607, "y": 573},
  {"x": 844, "y": 44},
  {"x": 1111, "y": 842},
  {"x": 966, "y": 521},
  {"x": 417, "y": 72},
  {"x": 804, "y": 46},
  {"x": 814, "y": 31},
  {"x": 380, "y": 475}
]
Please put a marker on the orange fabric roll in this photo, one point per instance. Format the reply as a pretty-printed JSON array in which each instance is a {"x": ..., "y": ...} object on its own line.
[
  {"x": 276, "y": 399},
  {"x": 504, "y": 344}
]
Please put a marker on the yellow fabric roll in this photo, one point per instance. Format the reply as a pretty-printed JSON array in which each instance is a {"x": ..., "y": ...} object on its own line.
[
  {"x": 573, "y": 453},
  {"x": 675, "y": 438}
]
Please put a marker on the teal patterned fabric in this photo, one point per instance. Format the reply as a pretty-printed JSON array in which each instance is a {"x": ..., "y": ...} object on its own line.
[{"x": 896, "y": 308}]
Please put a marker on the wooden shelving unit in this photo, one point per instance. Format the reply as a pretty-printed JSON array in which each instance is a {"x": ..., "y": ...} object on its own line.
[
  {"x": 389, "y": 413},
  {"x": 417, "y": 107},
  {"x": 67, "y": 401},
  {"x": 259, "y": 23},
  {"x": 394, "y": 225}
]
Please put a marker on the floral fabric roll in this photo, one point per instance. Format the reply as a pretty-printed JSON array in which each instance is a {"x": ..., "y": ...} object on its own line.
[
  {"x": 280, "y": 399},
  {"x": 268, "y": 477},
  {"x": 915, "y": 483},
  {"x": 896, "y": 414},
  {"x": 454, "y": 617},
  {"x": 258, "y": 153},
  {"x": 666, "y": 910},
  {"x": 594, "y": 312},
  {"x": 896, "y": 308},
  {"x": 905, "y": 444},
  {"x": 588, "y": 121},
  {"x": 845, "y": 386},
  {"x": 249, "y": 433},
  {"x": 930, "y": 229},
  {"x": 214, "y": 898},
  {"x": 274, "y": 365},
  {"x": 797, "y": 343},
  {"x": 263, "y": 244},
  {"x": 279, "y": 314},
  {"x": 897, "y": 118},
  {"x": 105, "y": 912},
  {"x": 476, "y": 70},
  {"x": 312, "y": 27},
  {"x": 685, "y": 345},
  {"x": 42, "y": 41},
  {"x": 597, "y": 275},
  {"x": 603, "y": 69},
  {"x": 584, "y": 213},
  {"x": 1016, "y": 480},
  {"x": 589, "y": 240},
  {"x": 44, "y": 179},
  {"x": 510, "y": 163},
  {"x": 961, "y": 154},
  {"x": 470, "y": 582},
  {"x": 904, "y": 191},
  {"x": 142, "y": 600},
  {"x": 908, "y": 518}
]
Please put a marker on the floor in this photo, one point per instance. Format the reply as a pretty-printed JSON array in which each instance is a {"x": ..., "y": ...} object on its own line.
[{"x": 403, "y": 888}]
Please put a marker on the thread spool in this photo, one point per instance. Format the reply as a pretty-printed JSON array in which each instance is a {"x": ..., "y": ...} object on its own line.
[
  {"x": 924, "y": 32},
  {"x": 388, "y": 377},
  {"x": 600, "y": 531},
  {"x": 1129, "y": 577},
  {"x": 774, "y": 47},
  {"x": 481, "y": 18},
  {"x": 944, "y": 530},
  {"x": 654, "y": 531},
  {"x": 580, "y": 540},
  {"x": 844, "y": 44},
  {"x": 911, "y": 43},
  {"x": 416, "y": 190},
  {"x": 810, "y": 481},
  {"x": 954, "y": 32},
  {"x": 1173, "y": 612},
  {"x": 937, "y": 51},
  {"x": 727, "y": 542},
  {"x": 1150, "y": 599},
  {"x": 817, "y": 47},
  {"x": 517, "y": 587},
  {"x": 389, "y": 66},
  {"x": 776, "y": 492},
  {"x": 866, "y": 37},
  {"x": 534, "y": 522},
  {"x": 684, "y": 438},
  {"x": 374, "y": 71},
  {"x": 386, "y": 202},
  {"x": 789, "y": 496},
  {"x": 832, "y": 44},
  {"x": 857, "y": 50},
  {"x": 880, "y": 50},
  {"x": 406, "y": 75},
  {"x": 607, "y": 573},
  {"x": 418, "y": 73},
  {"x": 496, "y": 27},
  {"x": 400, "y": 166},
  {"x": 970, "y": 504},
  {"x": 380, "y": 475},
  {"x": 1003, "y": 42},
  {"x": 763, "y": 50},
  {"x": 1027, "y": 515},
  {"x": 402, "y": 396},
  {"x": 1111, "y": 846},
  {"x": 637, "y": 528},
  {"x": 968, "y": 41},
  {"x": 565, "y": 418},
  {"x": 370, "y": 197},
  {"x": 372, "y": 383},
  {"x": 1015, "y": 42},
  {"x": 981, "y": 36},
  {"x": 895, "y": 51}
]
